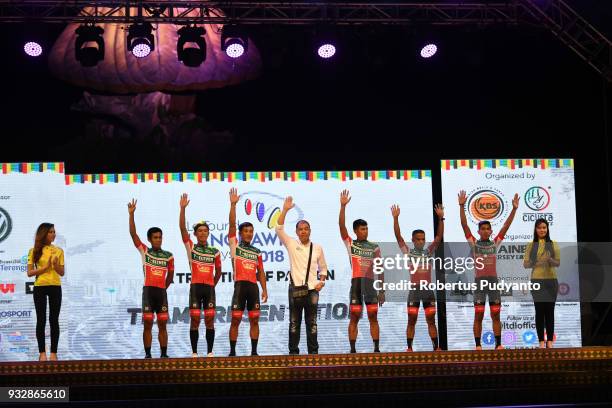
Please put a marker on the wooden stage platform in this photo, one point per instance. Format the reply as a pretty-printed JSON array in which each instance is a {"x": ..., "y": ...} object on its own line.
[{"x": 457, "y": 378}]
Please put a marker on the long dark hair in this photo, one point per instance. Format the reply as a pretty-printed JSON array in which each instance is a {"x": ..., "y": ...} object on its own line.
[
  {"x": 40, "y": 240},
  {"x": 548, "y": 245}
]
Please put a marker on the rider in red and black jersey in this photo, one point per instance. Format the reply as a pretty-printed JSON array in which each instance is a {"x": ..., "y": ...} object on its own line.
[
  {"x": 158, "y": 270},
  {"x": 205, "y": 268}
]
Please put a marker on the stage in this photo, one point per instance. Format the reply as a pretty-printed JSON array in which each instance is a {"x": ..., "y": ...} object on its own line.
[{"x": 578, "y": 375}]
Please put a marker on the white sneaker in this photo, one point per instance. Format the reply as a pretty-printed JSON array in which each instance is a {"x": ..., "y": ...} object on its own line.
[
  {"x": 194, "y": 355},
  {"x": 210, "y": 355}
]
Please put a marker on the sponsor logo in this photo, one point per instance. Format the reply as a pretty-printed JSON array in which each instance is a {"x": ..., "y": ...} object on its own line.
[
  {"x": 29, "y": 288},
  {"x": 6, "y": 225},
  {"x": 6, "y": 288},
  {"x": 486, "y": 204},
  {"x": 21, "y": 349},
  {"x": 16, "y": 336},
  {"x": 537, "y": 198},
  {"x": 14, "y": 265},
  {"x": 15, "y": 313},
  {"x": 266, "y": 208}
]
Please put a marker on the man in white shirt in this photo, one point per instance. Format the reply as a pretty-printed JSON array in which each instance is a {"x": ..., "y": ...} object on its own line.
[{"x": 299, "y": 251}]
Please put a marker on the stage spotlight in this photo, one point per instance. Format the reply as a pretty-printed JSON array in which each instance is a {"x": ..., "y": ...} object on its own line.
[
  {"x": 234, "y": 41},
  {"x": 191, "y": 46},
  {"x": 326, "y": 50},
  {"x": 33, "y": 49},
  {"x": 89, "y": 45},
  {"x": 429, "y": 50},
  {"x": 140, "y": 40}
]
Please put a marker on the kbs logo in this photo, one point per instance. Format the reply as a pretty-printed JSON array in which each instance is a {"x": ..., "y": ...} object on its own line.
[
  {"x": 6, "y": 225},
  {"x": 266, "y": 208},
  {"x": 7, "y": 288},
  {"x": 486, "y": 204},
  {"x": 537, "y": 198}
]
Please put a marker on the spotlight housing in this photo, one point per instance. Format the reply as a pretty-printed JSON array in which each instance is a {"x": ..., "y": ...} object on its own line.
[
  {"x": 140, "y": 40},
  {"x": 234, "y": 41},
  {"x": 89, "y": 45},
  {"x": 191, "y": 46}
]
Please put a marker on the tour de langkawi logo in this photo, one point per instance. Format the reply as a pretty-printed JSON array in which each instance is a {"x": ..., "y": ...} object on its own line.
[
  {"x": 537, "y": 198},
  {"x": 266, "y": 208},
  {"x": 486, "y": 204},
  {"x": 6, "y": 225}
]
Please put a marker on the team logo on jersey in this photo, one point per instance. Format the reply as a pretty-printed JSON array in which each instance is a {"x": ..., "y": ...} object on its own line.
[
  {"x": 266, "y": 208},
  {"x": 156, "y": 271},
  {"x": 6, "y": 225},
  {"x": 537, "y": 198}
]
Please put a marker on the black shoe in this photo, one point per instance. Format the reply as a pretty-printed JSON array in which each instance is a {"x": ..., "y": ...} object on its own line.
[
  {"x": 164, "y": 356},
  {"x": 353, "y": 351},
  {"x": 253, "y": 353},
  {"x": 376, "y": 350},
  {"x": 294, "y": 353},
  {"x": 231, "y": 355},
  {"x": 313, "y": 352},
  {"x": 148, "y": 356}
]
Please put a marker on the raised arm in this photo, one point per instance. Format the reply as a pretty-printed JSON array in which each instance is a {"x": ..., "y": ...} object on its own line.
[
  {"x": 439, "y": 210},
  {"x": 462, "y": 198},
  {"x": 506, "y": 226},
  {"x": 131, "y": 210},
  {"x": 184, "y": 202},
  {"x": 395, "y": 212},
  {"x": 280, "y": 230},
  {"x": 234, "y": 197},
  {"x": 344, "y": 200}
]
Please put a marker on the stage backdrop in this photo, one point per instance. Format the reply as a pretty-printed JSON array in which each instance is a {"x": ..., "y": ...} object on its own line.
[
  {"x": 30, "y": 193},
  {"x": 103, "y": 299},
  {"x": 546, "y": 190}
]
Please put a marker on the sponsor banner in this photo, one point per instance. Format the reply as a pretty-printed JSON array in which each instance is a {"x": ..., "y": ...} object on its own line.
[
  {"x": 545, "y": 188},
  {"x": 103, "y": 298}
]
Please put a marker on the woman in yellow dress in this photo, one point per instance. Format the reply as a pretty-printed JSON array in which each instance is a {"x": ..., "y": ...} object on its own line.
[{"x": 46, "y": 263}]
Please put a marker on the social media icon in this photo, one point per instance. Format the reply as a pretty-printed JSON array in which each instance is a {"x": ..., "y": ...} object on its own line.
[
  {"x": 529, "y": 337},
  {"x": 488, "y": 338},
  {"x": 509, "y": 338}
]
